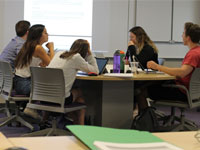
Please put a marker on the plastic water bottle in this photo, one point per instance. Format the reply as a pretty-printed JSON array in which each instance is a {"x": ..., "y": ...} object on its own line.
[{"x": 116, "y": 62}]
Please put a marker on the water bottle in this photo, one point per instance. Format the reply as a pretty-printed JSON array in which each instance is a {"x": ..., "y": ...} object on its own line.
[{"x": 116, "y": 62}]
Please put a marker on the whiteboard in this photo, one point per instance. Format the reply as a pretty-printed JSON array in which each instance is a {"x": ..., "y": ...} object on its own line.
[
  {"x": 184, "y": 11},
  {"x": 167, "y": 50},
  {"x": 155, "y": 17},
  {"x": 110, "y": 26}
]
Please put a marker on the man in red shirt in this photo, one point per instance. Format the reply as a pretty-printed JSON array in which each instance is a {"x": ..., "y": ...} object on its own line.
[{"x": 191, "y": 38}]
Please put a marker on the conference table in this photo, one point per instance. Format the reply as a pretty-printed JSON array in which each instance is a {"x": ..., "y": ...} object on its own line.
[
  {"x": 109, "y": 99},
  {"x": 184, "y": 140}
]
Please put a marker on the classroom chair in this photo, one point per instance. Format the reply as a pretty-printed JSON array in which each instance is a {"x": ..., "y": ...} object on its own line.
[
  {"x": 193, "y": 101},
  {"x": 161, "y": 61},
  {"x": 9, "y": 95},
  {"x": 48, "y": 94},
  {"x": 3, "y": 109}
]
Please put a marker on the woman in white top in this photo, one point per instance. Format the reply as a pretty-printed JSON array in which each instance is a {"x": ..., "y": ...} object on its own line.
[
  {"x": 79, "y": 57},
  {"x": 31, "y": 54}
]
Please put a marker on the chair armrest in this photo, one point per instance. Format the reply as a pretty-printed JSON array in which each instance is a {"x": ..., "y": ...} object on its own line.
[
  {"x": 176, "y": 86},
  {"x": 180, "y": 87}
]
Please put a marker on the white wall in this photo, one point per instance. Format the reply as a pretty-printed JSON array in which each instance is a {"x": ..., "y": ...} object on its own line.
[
  {"x": 1, "y": 23},
  {"x": 111, "y": 21},
  {"x": 110, "y": 25},
  {"x": 11, "y": 11}
]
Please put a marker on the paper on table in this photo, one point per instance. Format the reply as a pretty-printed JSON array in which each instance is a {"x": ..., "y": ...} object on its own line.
[
  {"x": 153, "y": 71},
  {"x": 135, "y": 146},
  {"x": 126, "y": 75}
]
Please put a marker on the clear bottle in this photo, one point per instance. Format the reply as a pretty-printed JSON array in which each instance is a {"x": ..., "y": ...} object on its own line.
[{"x": 126, "y": 65}]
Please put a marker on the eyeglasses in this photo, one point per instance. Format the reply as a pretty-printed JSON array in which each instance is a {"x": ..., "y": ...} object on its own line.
[{"x": 197, "y": 135}]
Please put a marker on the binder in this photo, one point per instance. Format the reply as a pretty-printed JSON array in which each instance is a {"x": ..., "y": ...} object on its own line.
[{"x": 90, "y": 134}]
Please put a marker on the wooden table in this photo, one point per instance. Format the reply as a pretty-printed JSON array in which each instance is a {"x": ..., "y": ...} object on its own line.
[
  {"x": 49, "y": 143},
  {"x": 4, "y": 142},
  {"x": 136, "y": 77},
  {"x": 183, "y": 140},
  {"x": 110, "y": 99}
]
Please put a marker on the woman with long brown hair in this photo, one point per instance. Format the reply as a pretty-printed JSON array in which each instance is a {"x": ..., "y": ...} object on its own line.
[
  {"x": 141, "y": 46},
  {"x": 79, "y": 57},
  {"x": 31, "y": 54}
]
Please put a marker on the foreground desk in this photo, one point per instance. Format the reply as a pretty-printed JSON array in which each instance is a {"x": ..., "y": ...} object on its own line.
[
  {"x": 183, "y": 140},
  {"x": 110, "y": 99},
  {"x": 4, "y": 142},
  {"x": 49, "y": 143}
]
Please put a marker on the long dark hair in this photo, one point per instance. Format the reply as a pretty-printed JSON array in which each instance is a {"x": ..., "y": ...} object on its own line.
[
  {"x": 24, "y": 57},
  {"x": 142, "y": 38},
  {"x": 79, "y": 46}
]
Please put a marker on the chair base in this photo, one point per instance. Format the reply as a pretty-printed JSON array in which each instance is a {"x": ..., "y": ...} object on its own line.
[
  {"x": 54, "y": 131},
  {"x": 183, "y": 124},
  {"x": 184, "y": 127},
  {"x": 48, "y": 132},
  {"x": 16, "y": 118}
]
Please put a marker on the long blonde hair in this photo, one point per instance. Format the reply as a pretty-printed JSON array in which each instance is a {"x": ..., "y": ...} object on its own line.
[{"x": 142, "y": 38}]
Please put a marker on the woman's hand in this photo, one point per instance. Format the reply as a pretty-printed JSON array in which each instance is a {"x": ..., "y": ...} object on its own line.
[
  {"x": 50, "y": 46},
  {"x": 130, "y": 43}
]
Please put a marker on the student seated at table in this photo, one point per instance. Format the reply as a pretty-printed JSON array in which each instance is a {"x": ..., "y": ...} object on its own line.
[
  {"x": 144, "y": 50},
  {"x": 141, "y": 46},
  {"x": 11, "y": 50},
  {"x": 191, "y": 38},
  {"x": 79, "y": 57},
  {"x": 31, "y": 54}
]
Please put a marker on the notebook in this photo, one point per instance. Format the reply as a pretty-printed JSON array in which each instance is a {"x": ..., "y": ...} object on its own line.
[
  {"x": 103, "y": 138},
  {"x": 101, "y": 63}
]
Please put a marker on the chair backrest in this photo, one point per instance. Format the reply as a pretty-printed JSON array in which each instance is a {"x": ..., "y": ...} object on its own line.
[
  {"x": 194, "y": 88},
  {"x": 7, "y": 78},
  {"x": 161, "y": 61},
  {"x": 1, "y": 76},
  {"x": 48, "y": 85}
]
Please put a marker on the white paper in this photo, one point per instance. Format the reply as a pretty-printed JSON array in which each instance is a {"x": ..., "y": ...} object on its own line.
[
  {"x": 135, "y": 146},
  {"x": 126, "y": 75}
]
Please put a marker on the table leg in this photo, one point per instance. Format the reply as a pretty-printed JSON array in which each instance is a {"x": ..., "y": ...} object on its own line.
[{"x": 109, "y": 103}]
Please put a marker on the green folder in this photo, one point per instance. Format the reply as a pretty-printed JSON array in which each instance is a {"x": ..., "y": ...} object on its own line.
[{"x": 89, "y": 134}]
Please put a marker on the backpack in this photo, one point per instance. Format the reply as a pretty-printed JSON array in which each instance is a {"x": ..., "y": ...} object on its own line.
[{"x": 146, "y": 120}]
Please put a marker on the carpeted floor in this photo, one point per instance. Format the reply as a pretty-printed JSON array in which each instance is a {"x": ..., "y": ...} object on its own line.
[{"x": 18, "y": 131}]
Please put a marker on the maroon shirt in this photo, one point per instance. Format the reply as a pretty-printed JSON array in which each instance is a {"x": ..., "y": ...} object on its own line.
[{"x": 192, "y": 58}]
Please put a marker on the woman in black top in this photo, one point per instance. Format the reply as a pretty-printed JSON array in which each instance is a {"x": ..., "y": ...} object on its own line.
[
  {"x": 141, "y": 46},
  {"x": 144, "y": 50}
]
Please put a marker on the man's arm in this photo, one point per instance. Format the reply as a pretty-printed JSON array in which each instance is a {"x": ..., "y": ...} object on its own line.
[{"x": 178, "y": 72}]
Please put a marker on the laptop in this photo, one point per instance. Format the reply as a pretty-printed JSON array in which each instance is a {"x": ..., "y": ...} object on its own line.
[{"x": 101, "y": 63}]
